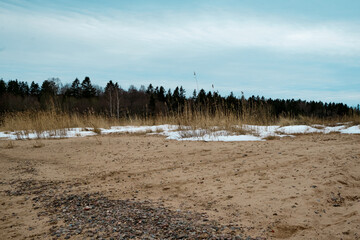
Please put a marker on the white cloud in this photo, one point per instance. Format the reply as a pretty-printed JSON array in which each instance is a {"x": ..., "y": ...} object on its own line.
[{"x": 138, "y": 36}]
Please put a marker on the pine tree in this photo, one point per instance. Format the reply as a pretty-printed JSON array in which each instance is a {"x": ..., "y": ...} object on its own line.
[
  {"x": 194, "y": 96},
  {"x": 88, "y": 91},
  {"x": 150, "y": 89},
  {"x": 49, "y": 88},
  {"x": 13, "y": 87},
  {"x": 161, "y": 94},
  {"x": 109, "y": 92},
  {"x": 2, "y": 87},
  {"x": 23, "y": 89},
  {"x": 152, "y": 103},
  {"x": 75, "y": 89},
  {"x": 34, "y": 89}
]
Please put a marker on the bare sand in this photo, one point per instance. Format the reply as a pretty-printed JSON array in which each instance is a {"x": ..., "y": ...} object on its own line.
[{"x": 307, "y": 187}]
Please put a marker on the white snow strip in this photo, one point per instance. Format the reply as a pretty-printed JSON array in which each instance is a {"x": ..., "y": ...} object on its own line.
[
  {"x": 334, "y": 129},
  {"x": 262, "y": 131},
  {"x": 256, "y": 133},
  {"x": 298, "y": 129},
  {"x": 138, "y": 129},
  {"x": 351, "y": 130},
  {"x": 212, "y": 138},
  {"x": 58, "y": 133},
  {"x": 204, "y": 135}
]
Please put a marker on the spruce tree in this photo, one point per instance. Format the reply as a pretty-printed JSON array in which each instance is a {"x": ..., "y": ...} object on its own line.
[
  {"x": 75, "y": 89},
  {"x": 88, "y": 91}
]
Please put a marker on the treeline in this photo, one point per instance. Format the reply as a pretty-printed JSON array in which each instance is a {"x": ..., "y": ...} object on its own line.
[{"x": 114, "y": 101}]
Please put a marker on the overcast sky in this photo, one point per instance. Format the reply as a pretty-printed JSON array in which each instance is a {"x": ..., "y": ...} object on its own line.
[{"x": 308, "y": 49}]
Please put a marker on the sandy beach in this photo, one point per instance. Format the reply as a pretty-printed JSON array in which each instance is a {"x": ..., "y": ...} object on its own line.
[{"x": 303, "y": 187}]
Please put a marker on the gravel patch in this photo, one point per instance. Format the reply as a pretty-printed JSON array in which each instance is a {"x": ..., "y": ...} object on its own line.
[{"x": 95, "y": 216}]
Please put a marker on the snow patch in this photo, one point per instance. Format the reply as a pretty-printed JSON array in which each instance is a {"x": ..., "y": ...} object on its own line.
[
  {"x": 351, "y": 130},
  {"x": 174, "y": 132}
]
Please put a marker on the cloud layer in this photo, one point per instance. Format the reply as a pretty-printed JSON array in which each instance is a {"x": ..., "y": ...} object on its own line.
[
  {"x": 178, "y": 42},
  {"x": 144, "y": 34}
]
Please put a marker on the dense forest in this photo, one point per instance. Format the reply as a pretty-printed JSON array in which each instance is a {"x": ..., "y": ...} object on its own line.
[{"x": 114, "y": 101}]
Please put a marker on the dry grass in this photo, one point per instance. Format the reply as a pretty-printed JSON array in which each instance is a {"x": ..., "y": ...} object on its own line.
[
  {"x": 98, "y": 140},
  {"x": 49, "y": 120},
  {"x": 194, "y": 133},
  {"x": 139, "y": 133},
  {"x": 97, "y": 131},
  {"x": 9, "y": 144},
  {"x": 38, "y": 144},
  {"x": 303, "y": 120},
  {"x": 268, "y": 138},
  {"x": 56, "y": 123}
]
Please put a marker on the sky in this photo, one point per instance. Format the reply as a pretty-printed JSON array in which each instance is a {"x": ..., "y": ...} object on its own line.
[{"x": 288, "y": 49}]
